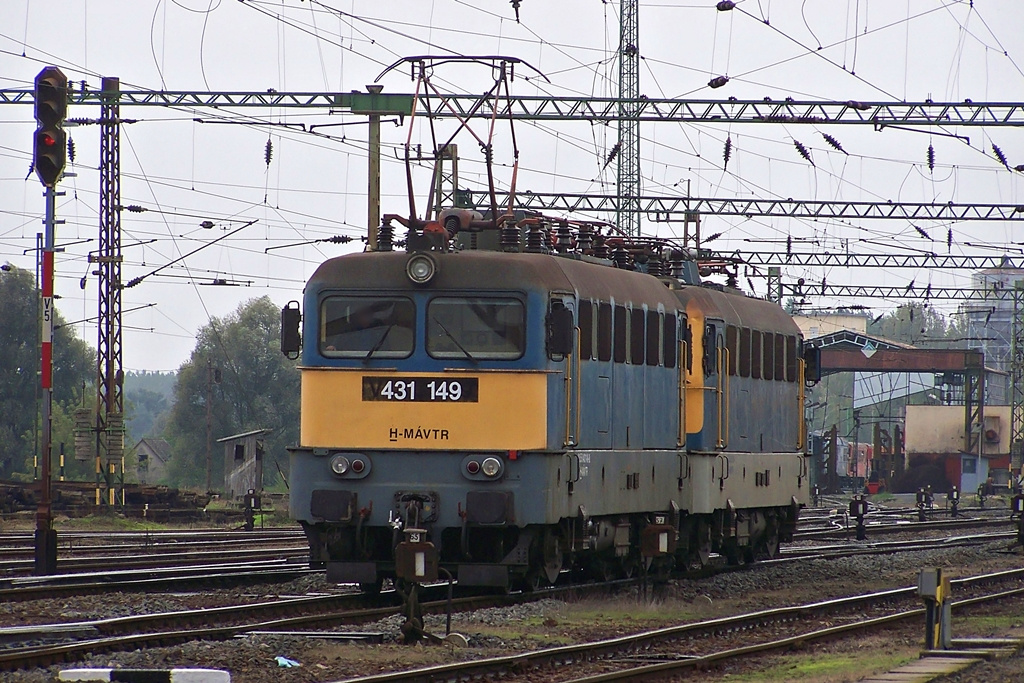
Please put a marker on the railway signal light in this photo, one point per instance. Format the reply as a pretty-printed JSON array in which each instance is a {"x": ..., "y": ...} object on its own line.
[{"x": 49, "y": 147}]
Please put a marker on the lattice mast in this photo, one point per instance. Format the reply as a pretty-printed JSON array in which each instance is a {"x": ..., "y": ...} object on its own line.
[
  {"x": 628, "y": 206},
  {"x": 110, "y": 379}
]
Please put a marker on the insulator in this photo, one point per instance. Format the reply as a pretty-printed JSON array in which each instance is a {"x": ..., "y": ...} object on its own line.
[
  {"x": 621, "y": 258},
  {"x": 563, "y": 238},
  {"x": 386, "y": 237},
  {"x": 730, "y": 280},
  {"x": 789, "y": 245},
  {"x": 133, "y": 208},
  {"x": 338, "y": 239},
  {"x": 999, "y": 155},
  {"x": 654, "y": 266},
  {"x": 600, "y": 247},
  {"x": 536, "y": 239},
  {"x": 585, "y": 239},
  {"x": 834, "y": 143},
  {"x": 612, "y": 154},
  {"x": 718, "y": 81},
  {"x": 268, "y": 153},
  {"x": 859, "y": 106},
  {"x": 676, "y": 260},
  {"x": 488, "y": 153},
  {"x": 931, "y": 158},
  {"x": 949, "y": 239},
  {"x": 804, "y": 152},
  {"x": 728, "y": 150},
  {"x": 725, "y": 5},
  {"x": 922, "y": 233},
  {"x": 71, "y": 149},
  {"x": 1019, "y": 168},
  {"x": 509, "y": 240}
]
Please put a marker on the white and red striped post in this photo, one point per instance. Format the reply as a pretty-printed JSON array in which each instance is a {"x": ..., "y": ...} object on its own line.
[{"x": 46, "y": 535}]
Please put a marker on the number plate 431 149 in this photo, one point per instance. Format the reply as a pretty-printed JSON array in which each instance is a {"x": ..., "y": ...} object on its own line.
[{"x": 421, "y": 389}]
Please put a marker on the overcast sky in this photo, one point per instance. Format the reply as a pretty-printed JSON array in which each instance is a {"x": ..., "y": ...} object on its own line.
[{"x": 189, "y": 166}]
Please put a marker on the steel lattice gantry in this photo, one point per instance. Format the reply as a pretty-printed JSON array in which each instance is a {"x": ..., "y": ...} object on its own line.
[
  {"x": 665, "y": 206},
  {"x": 1016, "y": 294},
  {"x": 585, "y": 108},
  {"x": 847, "y": 260}
]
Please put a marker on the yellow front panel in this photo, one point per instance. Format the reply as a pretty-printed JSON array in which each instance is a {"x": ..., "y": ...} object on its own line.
[{"x": 510, "y": 414}]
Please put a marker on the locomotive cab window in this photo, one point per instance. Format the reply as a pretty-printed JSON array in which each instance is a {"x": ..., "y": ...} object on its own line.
[
  {"x": 473, "y": 328},
  {"x": 365, "y": 327}
]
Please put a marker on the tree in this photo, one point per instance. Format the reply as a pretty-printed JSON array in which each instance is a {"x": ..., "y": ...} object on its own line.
[
  {"x": 74, "y": 364},
  {"x": 917, "y": 324},
  {"x": 237, "y": 363}
]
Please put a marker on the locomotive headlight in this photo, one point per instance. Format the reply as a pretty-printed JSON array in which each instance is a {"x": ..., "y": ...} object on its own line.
[
  {"x": 339, "y": 464},
  {"x": 420, "y": 268},
  {"x": 491, "y": 467}
]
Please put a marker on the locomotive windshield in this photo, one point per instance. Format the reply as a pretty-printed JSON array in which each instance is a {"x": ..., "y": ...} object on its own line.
[
  {"x": 475, "y": 328},
  {"x": 365, "y": 327}
]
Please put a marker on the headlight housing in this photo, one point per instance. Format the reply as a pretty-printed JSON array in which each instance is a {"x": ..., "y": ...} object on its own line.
[
  {"x": 339, "y": 465},
  {"x": 491, "y": 467},
  {"x": 420, "y": 268}
]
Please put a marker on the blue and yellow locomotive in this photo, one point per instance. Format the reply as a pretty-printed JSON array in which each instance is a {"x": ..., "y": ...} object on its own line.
[{"x": 567, "y": 401}]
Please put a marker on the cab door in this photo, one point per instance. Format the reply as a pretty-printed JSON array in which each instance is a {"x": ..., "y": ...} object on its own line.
[{"x": 563, "y": 336}]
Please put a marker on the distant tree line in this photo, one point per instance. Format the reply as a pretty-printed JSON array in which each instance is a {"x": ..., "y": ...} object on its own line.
[{"x": 236, "y": 365}]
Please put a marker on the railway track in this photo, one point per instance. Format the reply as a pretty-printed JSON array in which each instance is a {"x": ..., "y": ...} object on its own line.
[
  {"x": 167, "y": 628},
  {"x": 616, "y": 657},
  {"x": 83, "y": 552}
]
